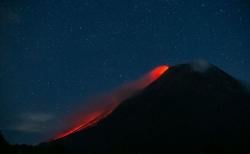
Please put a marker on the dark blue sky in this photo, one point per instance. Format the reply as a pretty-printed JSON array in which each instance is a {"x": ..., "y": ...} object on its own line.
[{"x": 57, "y": 53}]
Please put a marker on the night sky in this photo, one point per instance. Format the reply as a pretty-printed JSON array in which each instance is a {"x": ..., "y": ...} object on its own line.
[{"x": 57, "y": 53}]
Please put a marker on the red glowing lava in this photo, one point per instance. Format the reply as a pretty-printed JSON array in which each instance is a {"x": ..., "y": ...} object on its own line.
[
  {"x": 149, "y": 77},
  {"x": 103, "y": 106},
  {"x": 157, "y": 72},
  {"x": 88, "y": 121}
]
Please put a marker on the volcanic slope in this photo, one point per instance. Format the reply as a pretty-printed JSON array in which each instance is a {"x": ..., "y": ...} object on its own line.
[{"x": 192, "y": 107}]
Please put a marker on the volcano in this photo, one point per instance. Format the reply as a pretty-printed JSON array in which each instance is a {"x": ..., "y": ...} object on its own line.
[{"x": 193, "y": 107}]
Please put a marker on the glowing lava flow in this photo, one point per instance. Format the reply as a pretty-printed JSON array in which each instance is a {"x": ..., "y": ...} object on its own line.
[
  {"x": 89, "y": 121},
  {"x": 154, "y": 74},
  {"x": 157, "y": 72},
  {"x": 111, "y": 101}
]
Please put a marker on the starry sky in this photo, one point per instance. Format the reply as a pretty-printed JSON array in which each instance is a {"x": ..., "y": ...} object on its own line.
[{"x": 54, "y": 54}]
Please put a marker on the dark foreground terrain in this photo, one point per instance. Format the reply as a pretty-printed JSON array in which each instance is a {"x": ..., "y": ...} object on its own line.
[{"x": 190, "y": 108}]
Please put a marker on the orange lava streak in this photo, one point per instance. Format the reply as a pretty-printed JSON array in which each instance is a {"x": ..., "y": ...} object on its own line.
[
  {"x": 158, "y": 71},
  {"x": 113, "y": 100},
  {"x": 87, "y": 121}
]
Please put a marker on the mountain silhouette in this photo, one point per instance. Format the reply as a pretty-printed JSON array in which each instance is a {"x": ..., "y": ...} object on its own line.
[{"x": 193, "y": 107}]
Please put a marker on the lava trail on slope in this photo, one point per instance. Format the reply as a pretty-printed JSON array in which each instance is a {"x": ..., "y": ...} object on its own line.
[{"x": 102, "y": 106}]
